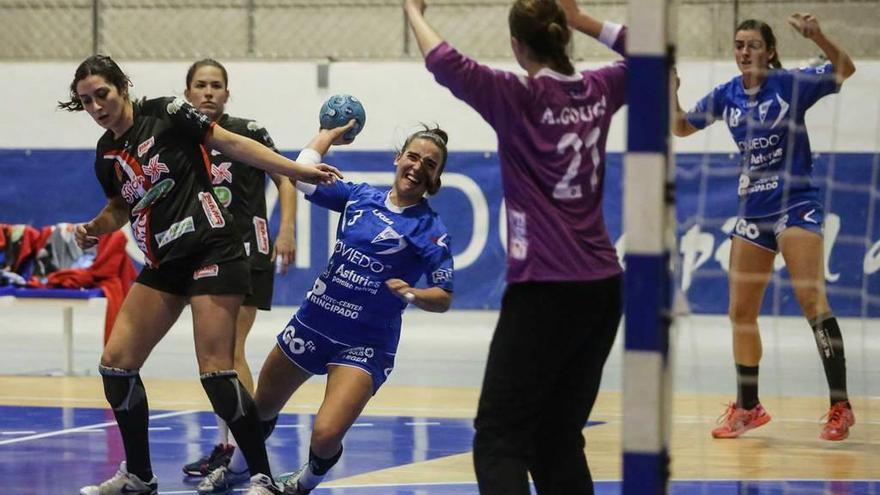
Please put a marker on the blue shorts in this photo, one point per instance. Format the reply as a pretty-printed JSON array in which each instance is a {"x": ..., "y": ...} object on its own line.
[
  {"x": 314, "y": 351},
  {"x": 763, "y": 231}
]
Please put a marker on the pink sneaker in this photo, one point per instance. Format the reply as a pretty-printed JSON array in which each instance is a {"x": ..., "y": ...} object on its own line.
[
  {"x": 840, "y": 418},
  {"x": 735, "y": 421}
]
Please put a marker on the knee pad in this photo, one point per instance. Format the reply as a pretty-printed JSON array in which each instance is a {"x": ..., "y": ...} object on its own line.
[
  {"x": 231, "y": 401},
  {"x": 123, "y": 388}
]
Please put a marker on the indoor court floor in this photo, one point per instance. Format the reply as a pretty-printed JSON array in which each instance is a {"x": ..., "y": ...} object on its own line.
[{"x": 415, "y": 436}]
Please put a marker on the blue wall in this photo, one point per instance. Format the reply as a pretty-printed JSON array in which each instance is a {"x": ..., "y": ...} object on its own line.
[{"x": 49, "y": 186}]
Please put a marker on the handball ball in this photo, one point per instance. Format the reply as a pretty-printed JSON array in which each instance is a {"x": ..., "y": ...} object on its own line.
[{"x": 338, "y": 110}]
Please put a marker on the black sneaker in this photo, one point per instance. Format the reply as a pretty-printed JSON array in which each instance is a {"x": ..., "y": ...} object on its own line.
[{"x": 220, "y": 456}]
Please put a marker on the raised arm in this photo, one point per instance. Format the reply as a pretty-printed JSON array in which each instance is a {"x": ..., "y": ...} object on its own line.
[
  {"x": 608, "y": 33},
  {"x": 426, "y": 36},
  {"x": 110, "y": 219},
  {"x": 680, "y": 126},
  {"x": 808, "y": 25},
  {"x": 256, "y": 155},
  {"x": 580, "y": 20}
]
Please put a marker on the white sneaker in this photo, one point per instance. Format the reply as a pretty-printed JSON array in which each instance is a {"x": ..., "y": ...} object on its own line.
[
  {"x": 123, "y": 483},
  {"x": 221, "y": 481},
  {"x": 263, "y": 485}
]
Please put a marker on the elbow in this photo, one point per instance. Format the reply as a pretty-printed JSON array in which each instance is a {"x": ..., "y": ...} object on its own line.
[
  {"x": 849, "y": 70},
  {"x": 678, "y": 130},
  {"x": 443, "y": 304}
]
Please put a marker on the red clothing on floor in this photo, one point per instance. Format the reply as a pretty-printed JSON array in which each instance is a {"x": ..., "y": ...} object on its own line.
[{"x": 112, "y": 271}]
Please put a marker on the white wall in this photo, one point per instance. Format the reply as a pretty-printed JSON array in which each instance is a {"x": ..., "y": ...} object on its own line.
[{"x": 397, "y": 95}]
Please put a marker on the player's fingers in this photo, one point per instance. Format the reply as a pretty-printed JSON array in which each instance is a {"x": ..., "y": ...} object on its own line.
[{"x": 330, "y": 169}]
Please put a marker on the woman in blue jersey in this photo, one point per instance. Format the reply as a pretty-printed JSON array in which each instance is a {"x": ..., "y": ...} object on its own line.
[
  {"x": 780, "y": 211},
  {"x": 562, "y": 305},
  {"x": 348, "y": 326}
]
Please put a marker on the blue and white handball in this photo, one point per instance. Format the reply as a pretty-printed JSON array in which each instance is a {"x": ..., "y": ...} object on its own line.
[{"x": 338, "y": 110}]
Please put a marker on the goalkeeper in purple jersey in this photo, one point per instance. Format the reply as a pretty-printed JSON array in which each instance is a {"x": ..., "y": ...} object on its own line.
[
  {"x": 764, "y": 109},
  {"x": 561, "y": 309},
  {"x": 348, "y": 326}
]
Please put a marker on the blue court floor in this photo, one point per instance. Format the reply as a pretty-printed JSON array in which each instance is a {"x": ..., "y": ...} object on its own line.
[{"x": 51, "y": 450}]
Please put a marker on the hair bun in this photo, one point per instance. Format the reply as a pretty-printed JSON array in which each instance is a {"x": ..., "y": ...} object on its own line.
[{"x": 441, "y": 134}]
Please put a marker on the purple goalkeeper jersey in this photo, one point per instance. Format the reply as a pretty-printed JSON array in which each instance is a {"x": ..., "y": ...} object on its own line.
[{"x": 551, "y": 132}]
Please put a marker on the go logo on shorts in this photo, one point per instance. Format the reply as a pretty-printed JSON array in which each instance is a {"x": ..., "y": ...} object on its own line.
[
  {"x": 295, "y": 344},
  {"x": 747, "y": 229}
]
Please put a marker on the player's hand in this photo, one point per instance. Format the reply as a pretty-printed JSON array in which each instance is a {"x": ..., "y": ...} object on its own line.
[
  {"x": 337, "y": 134},
  {"x": 805, "y": 23},
  {"x": 285, "y": 249},
  {"x": 419, "y": 5},
  {"x": 321, "y": 174},
  {"x": 84, "y": 236},
  {"x": 401, "y": 289}
]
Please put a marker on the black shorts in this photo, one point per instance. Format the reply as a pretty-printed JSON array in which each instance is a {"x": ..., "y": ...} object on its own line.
[
  {"x": 262, "y": 285},
  {"x": 185, "y": 279}
]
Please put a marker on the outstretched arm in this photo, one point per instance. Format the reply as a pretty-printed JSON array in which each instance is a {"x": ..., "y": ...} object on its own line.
[
  {"x": 808, "y": 25},
  {"x": 426, "y": 36},
  {"x": 256, "y": 155}
]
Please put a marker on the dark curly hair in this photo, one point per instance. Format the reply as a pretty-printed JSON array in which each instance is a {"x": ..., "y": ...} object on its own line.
[{"x": 96, "y": 65}]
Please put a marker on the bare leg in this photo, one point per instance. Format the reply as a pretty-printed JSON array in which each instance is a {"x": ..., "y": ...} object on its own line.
[{"x": 750, "y": 270}]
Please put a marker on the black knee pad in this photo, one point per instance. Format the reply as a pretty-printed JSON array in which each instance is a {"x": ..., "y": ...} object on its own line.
[
  {"x": 231, "y": 401},
  {"x": 123, "y": 388},
  {"x": 268, "y": 426}
]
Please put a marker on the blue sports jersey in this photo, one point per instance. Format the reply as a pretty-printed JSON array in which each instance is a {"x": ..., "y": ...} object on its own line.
[
  {"x": 375, "y": 241},
  {"x": 768, "y": 127}
]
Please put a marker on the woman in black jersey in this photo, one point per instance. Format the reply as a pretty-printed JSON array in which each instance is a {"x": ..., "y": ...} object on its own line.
[
  {"x": 155, "y": 174},
  {"x": 242, "y": 191}
]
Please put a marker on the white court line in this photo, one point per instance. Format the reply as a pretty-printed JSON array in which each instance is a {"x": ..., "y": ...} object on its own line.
[
  {"x": 87, "y": 428},
  {"x": 289, "y": 426},
  {"x": 423, "y": 423},
  {"x": 334, "y": 487},
  {"x": 23, "y": 432},
  {"x": 159, "y": 428},
  {"x": 362, "y": 425}
]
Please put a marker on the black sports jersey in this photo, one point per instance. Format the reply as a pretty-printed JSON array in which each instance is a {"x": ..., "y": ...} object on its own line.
[
  {"x": 160, "y": 169},
  {"x": 242, "y": 190}
]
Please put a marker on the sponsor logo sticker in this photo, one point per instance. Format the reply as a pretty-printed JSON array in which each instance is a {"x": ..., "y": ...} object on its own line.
[
  {"x": 156, "y": 193},
  {"x": 145, "y": 146},
  {"x": 212, "y": 210},
  {"x": 176, "y": 230},
  {"x": 261, "y": 229},
  {"x": 206, "y": 271}
]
